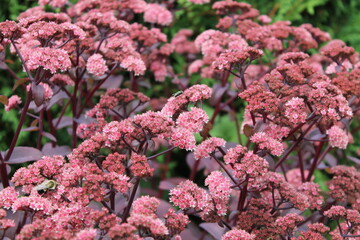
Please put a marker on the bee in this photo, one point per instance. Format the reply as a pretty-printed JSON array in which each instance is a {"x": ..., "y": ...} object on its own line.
[
  {"x": 46, "y": 185},
  {"x": 177, "y": 93}
]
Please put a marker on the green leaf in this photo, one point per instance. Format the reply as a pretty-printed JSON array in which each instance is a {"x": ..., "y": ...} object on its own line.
[{"x": 321, "y": 178}]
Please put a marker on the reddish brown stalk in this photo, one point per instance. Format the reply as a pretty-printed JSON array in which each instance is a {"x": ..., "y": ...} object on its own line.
[
  {"x": 92, "y": 92},
  {"x": 194, "y": 170},
  {"x": 18, "y": 130},
  {"x": 290, "y": 149},
  {"x": 317, "y": 160},
  {"x": 62, "y": 113},
  {"x": 242, "y": 196},
  {"x": 22, "y": 60},
  {"x": 164, "y": 170},
  {"x": 224, "y": 168},
  {"x": 3, "y": 171},
  {"x": 41, "y": 127},
  {"x": 51, "y": 126},
  {"x": 131, "y": 200},
  {"x": 301, "y": 166}
]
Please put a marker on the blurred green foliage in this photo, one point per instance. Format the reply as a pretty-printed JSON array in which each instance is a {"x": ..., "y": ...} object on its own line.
[{"x": 338, "y": 17}]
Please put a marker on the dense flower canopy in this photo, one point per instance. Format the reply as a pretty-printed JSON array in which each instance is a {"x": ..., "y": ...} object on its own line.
[{"x": 94, "y": 70}]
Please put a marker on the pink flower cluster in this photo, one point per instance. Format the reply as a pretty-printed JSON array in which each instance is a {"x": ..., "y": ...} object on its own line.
[
  {"x": 96, "y": 65},
  {"x": 53, "y": 3},
  {"x": 337, "y": 137},
  {"x": 193, "y": 94},
  {"x": 295, "y": 110},
  {"x": 188, "y": 195},
  {"x": 134, "y": 64},
  {"x": 183, "y": 138},
  {"x": 219, "y": 188},
  {"x": 266, "y": 142},
  {"x": 140, "y": 167},
  {"x": 156, "y": 13},
  {"x": 238, "y": 234},
  {"x": 229, "y": 58},
  {"x": 49, "y": 59},
  {"x": 207, "y": 147},
  {"x": 193, "y": 120},
  {"x": 143, "y": 215},
  {"x": 13, "y": 102}
]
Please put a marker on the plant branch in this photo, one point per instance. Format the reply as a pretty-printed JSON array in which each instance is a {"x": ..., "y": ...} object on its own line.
[
  {"x": 289, "y": 150},
  {"x": 18, "y": 130},
  {"x": 131, "y": 200}
]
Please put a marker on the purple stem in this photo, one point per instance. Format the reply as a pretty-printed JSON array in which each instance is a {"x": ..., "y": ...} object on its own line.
[{"x": 131, "y": 200}]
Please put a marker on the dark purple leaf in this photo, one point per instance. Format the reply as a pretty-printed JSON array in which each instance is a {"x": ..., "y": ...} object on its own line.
[
  {"x": 214, "y": 229},
  {"x": 69, "y": 130},
  {"x": 255, "y": 194},
  {"x": 231, "y": 93},
  {"x": 238, "y": 84},
  {"x": 49, "y": 150},
  {"x": 233, "y": 214},
  {"x": 322, "y": 166},
  {"x": 211, "y": 164},
  {"x": 182, "y": 82},
  {"x": 113, "y": 82},
  {"x": 149, "y": 191},
  {"x": 330, "y": 160},
  {"x": 56, "y": 98},
  {"x": 24, "y": 154},
  {"x": 259, "y": 126},
  {"x": 227, "y": 108},
  {"x": 190, "y": 160},
  {"x": 2, "y": 56},
  {"x": 191, "y": 232},
  {"x": 221, "y": 224},
  {"x": 49, "y": 136},
  {"x": 271, "y": 162},
  {"x": 84, "y": 119},
  {"x": 145, "y": 83},
  {"x": 354, "y": 159},
  {"x": 34, "y": 107},
  {"x": 64, "y": 122},
  {"x": 163, "y": 207},
  {"x": 3, "y": 65},
  {"x": 229, "y": 145},
  {"x": 38, "y": 92},
  {"x": 218, "y": 92},
  {"x": 170, "y": 183},
  {"x": 315, "y": 135},
  {"x": 17, "y": 216},
  {"x": 120, "y": 202},
  {"x": 95, "y": 205},
  {"x": 346, "y": 123}
]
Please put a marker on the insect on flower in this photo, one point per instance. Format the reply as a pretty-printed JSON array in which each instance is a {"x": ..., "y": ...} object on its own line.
[
  {"x": 46, "y": 185},
  {"x": 177, "y": 93}
]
